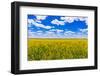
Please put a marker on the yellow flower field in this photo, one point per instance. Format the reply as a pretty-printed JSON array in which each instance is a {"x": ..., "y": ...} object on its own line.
[{"x": 53, "y": 49}]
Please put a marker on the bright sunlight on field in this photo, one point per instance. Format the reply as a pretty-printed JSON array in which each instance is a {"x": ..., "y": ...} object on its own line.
[{"x": 53, "y": 49}]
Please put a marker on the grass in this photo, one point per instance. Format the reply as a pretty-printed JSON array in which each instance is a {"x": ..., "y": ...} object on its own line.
[{"x": 52, "y": 49}]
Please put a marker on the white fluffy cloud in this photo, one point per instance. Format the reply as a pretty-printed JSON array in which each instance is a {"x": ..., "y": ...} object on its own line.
[
  {"x": 83, "y": 30},
  {"x": 69, "y": 32},
  {"x": 31, "y": 21},
  {"x": 51, "y": 34},
  {"x": 71, "y": 19},
  {"x": 31, "y": 34},
  {"x": 57, "y": 22},
  {"x": 39, "y": 31},
  {"x": 84, "y": 19},
  {"x": 52, "y": 30},
  {"x": 58, "y": 31},
  {"x": 41, "y": 17},
  {"x": 37, "y": 34}
]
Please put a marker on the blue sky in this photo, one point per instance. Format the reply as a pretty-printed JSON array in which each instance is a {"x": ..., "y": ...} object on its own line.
[{"x": 49, "y": 26}]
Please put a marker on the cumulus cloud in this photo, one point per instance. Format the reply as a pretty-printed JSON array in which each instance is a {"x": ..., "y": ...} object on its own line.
[
  {"x": 31, "y": 21},
  {"x": 58, "y": 31},
  {"x": 47, "y": 34},
  {"x": 52, "y": 30},
  {"x": 57, "y": 22},
  {"x": 72, "y": 19},
  {"x": 51, "y": 34},
  {"x": 84, "y": 19},
  {"x": 41, "y": 17},
  {"x": 38, "y": 21},
  {"x": 83, "y": 33},
  {"x": 29, "y": 25},
  {"x": 31, "y": 34},
  {"x": 69, "y": 19},
  {"x": 39, "y": 31},
  {"x": 69, "y": 32},
  {"x": 83, "y": 30}
]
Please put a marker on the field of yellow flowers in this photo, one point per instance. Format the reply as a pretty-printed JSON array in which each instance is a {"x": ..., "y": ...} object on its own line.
[{"x": 53, "y": 49}]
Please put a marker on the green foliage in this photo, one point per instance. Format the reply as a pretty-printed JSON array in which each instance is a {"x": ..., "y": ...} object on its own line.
[{"x": 52, "y": 49}]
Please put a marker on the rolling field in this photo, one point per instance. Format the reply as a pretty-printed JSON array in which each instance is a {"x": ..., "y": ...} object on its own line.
[{"x": 53, "y": 49}]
